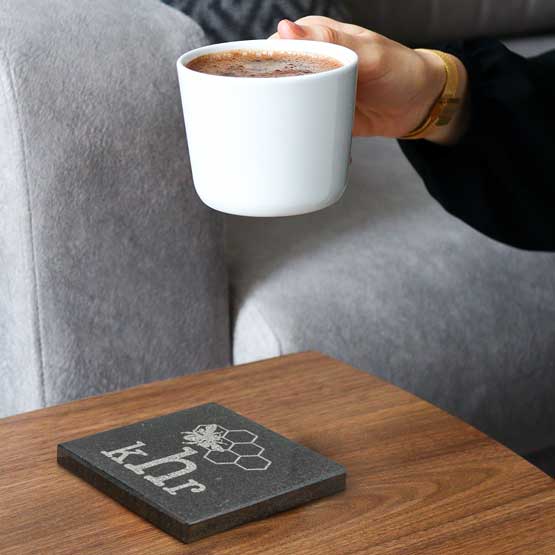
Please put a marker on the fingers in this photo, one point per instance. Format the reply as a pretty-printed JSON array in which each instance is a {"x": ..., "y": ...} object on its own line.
[
  {"x": 333, "y": 24},
  {"x": 337, "y": 30},
  {"x": 289, "y": 30}
]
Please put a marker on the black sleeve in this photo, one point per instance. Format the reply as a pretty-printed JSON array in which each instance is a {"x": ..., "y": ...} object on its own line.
[{"x": 500, "y": 178}]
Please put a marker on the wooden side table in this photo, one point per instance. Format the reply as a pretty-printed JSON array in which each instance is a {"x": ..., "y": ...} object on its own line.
[{"x": 420, "y": 482}]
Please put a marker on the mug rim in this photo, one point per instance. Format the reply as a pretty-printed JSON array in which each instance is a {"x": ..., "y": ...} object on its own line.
[{"x": 347, "y": 57}]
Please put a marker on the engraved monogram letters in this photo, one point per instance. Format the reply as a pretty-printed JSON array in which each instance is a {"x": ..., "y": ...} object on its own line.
[
  {"x": 120, "y": 455},
  {"x": 222, "y": 447}
]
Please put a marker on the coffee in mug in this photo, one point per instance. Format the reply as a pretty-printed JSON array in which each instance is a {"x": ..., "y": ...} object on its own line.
[{"x": 250, "y": 63}]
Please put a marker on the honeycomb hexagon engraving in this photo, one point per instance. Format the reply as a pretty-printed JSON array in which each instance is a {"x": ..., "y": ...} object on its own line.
[
  {"x": 246, "y": 449},
  {"x": 225, "y": 446},
  {"x": 240, "y": 436},
  {"x": 253, "y": 462},
  {"x": 221, "y": 457}
]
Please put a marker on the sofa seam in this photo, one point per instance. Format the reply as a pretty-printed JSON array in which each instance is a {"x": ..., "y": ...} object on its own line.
[{"x": 37, "y": 325}]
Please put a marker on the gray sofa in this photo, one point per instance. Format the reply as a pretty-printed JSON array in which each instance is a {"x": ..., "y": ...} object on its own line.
[{"x": 113, "y": 273}]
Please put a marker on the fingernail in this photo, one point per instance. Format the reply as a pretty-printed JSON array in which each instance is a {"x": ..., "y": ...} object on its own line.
[{"x": 297, "y": 29}]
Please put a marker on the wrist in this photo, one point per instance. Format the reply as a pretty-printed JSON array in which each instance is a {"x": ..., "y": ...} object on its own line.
[
  {"x": 451, "y": 133},
  {"x": 444, "y": 133},
  {"x": 430, "y": 84}
]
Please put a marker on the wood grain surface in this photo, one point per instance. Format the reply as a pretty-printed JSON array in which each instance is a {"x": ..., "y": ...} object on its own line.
[{"x": 420, "y": 482}]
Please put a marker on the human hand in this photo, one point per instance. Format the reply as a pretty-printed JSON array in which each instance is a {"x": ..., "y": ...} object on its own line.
[{"x": 397, "y": 86}]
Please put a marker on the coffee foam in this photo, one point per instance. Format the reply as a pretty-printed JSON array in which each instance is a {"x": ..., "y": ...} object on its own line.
[{"x": 262, "y": 63}]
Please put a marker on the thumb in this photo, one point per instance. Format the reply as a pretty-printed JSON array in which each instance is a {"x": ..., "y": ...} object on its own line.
[{"x": 289, "y": 30}]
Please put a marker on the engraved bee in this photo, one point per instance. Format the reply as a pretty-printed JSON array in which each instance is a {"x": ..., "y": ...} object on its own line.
[{"x": 210, "y": 437}]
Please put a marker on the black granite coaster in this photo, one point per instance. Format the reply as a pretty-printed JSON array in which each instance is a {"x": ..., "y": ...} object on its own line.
[{"x": 199, "y": 471}]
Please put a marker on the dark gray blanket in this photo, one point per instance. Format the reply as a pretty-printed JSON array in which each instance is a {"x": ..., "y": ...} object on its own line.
[{"x": 228, "y": 20}]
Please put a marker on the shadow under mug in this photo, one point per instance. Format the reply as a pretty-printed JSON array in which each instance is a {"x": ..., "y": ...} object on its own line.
[{"x": 270, "y": 146}]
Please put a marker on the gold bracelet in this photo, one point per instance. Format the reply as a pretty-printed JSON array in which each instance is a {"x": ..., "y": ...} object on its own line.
[{"x": 446, "y": 105}]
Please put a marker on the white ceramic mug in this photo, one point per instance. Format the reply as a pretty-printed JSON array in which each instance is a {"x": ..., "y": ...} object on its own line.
[{"x": 276, "y": 146}]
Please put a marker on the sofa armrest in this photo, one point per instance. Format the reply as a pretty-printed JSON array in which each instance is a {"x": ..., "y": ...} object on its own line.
[
  {"x": 112, "y": 270},
  {"x": 422, "y": 21}
]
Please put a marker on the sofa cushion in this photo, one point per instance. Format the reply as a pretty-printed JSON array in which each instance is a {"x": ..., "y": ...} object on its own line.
[
  {"x": 111, "y": 269},
  {"x": 420, "y": 21},
  {"x": 228, "y": 20},
  {"x": 388, "y": 281}
]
